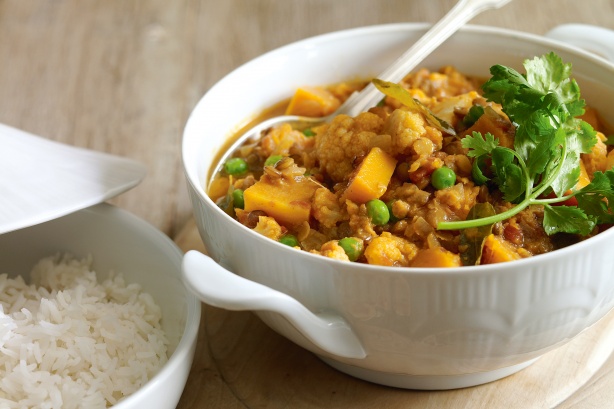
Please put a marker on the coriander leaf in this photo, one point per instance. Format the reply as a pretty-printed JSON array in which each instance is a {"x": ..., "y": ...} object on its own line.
[
  {"x": 597, "y": 195},
  {"x": 595, "y": 207},
  {"x": 576, "y": 108},
  {"x": 586, "y": 135},
  {"x": 541, "y": 154},
  {"x": 526, "y": 136},
  {"x": 567, "y": 219},
  {"x": 567, "y": 177},
  {"x": 551, "y": 76},
  {"x": 477, "y": 170},
  {"x": 543, "y": 71},
  {"x": 509, "y": 176},
  {"x": 547, "y": 72},
  {"x": 567, "y": 163},
  {"x": 508, "y": 75},
  {"x": 542, "y": 105},
  {"x": 479, "y": 144},
  {"x": 609, "y": 140},
  {"x": 504, "y": 84},
  {"x": 501, "y": 158},
  {"x": 601, "y": 183},
  {"x": 514, "y": 186}
]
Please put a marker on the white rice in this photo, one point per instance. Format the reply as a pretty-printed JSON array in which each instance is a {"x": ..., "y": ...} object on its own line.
[{"x": 67, "y": 341}]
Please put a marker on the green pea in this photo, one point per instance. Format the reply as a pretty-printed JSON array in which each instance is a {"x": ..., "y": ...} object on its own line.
[
  {"x": 378, "y": 212},
  {"x": 308, "y": 132},
  {"x": 443, "y": 178},
  {"x": 272, "y": 160},
  {"x": 237, "y": 199},
  {"x": 289, "y": 240},
  {"x": 353, "y": 247},
  {"x": 235, "y": 166}
]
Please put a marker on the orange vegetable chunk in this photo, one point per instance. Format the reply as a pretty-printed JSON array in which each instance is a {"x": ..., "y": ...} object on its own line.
[
  {"x": 219, "y": 188},
  {"x": 372, "y": 177},
  {"x": 494, "y": 124},
  {"x": 590, "y": 115},
  {"x": 497, "y": 250},
  {"x": 312, "y": 101},
  {"x": 436, "y": 257},
  {"x": 584, "y": 179},
  {"x": 288, "y": 203}
]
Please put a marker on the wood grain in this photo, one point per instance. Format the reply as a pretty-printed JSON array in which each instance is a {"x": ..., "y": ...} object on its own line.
[{"x": 122, "y": 76}]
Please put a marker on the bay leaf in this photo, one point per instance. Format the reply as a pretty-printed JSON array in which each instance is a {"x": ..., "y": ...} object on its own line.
[
  {"x": 472, "y": 238},
  {"x": 403, "y": 96}
]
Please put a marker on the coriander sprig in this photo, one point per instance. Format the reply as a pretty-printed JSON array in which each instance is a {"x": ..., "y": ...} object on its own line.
[{"x": 543, "y": 105}]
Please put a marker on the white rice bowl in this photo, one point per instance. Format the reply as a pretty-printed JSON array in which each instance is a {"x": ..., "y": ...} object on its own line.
[
  {"x": 69, "y": 341},
  {"x": 112, "y": 325}
]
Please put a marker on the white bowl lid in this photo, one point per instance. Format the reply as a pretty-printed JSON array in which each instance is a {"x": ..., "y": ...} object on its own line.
[{"x": 41, "y": 180}]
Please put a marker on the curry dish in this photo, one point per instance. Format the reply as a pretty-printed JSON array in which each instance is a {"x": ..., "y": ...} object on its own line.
[{"x": 376, "y": 188}]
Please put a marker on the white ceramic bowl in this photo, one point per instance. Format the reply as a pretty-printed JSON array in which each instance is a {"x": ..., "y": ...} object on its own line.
[
  {"x": 405, "y": 327},
  {"x": 119, "y": 241}
]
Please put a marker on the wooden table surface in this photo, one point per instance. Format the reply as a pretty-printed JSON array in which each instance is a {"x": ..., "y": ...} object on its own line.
[{"x": 121, "y": 76}]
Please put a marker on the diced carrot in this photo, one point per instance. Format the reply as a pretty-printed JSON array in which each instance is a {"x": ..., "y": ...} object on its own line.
[
  {"x": 288, "y": 203},
  {"x": 497, "y": 250},
  {"x": 436, "y": 257},
  {"x": 312, "y": 101},
  {"x": 372, "y": 176}
]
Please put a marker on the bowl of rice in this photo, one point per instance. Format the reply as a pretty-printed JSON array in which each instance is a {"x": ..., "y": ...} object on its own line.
[{"x": 93, "y": 313}]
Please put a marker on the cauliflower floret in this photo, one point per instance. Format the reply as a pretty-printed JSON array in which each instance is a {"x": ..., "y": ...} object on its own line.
[
  {"x": 279, "y": 141},
  {"x": 453, "y": 203},
  {"x": 410, "y": 134},
  {"x": 390, "y": 250},
  {"x": 405, "y": 128},
  {"x": 325, "y": 207},
  {"x": 346, "y": 139},
  {"x": 268, "y": 226},
  {"x": 332, "y": 249}
]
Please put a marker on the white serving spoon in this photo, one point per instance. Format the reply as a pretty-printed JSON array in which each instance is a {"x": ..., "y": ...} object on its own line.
[
  {"x": 459, "y": 15},
  {"x": 41, "y": 180}
]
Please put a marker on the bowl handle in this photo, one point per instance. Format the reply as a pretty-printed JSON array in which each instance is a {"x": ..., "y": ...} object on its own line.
[
  {"x": 598, "y": 40},
  {"x": 217, "y": 286}
]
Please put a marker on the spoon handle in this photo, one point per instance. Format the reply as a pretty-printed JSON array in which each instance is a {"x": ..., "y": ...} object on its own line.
[{"x": 460, "y": 14}]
